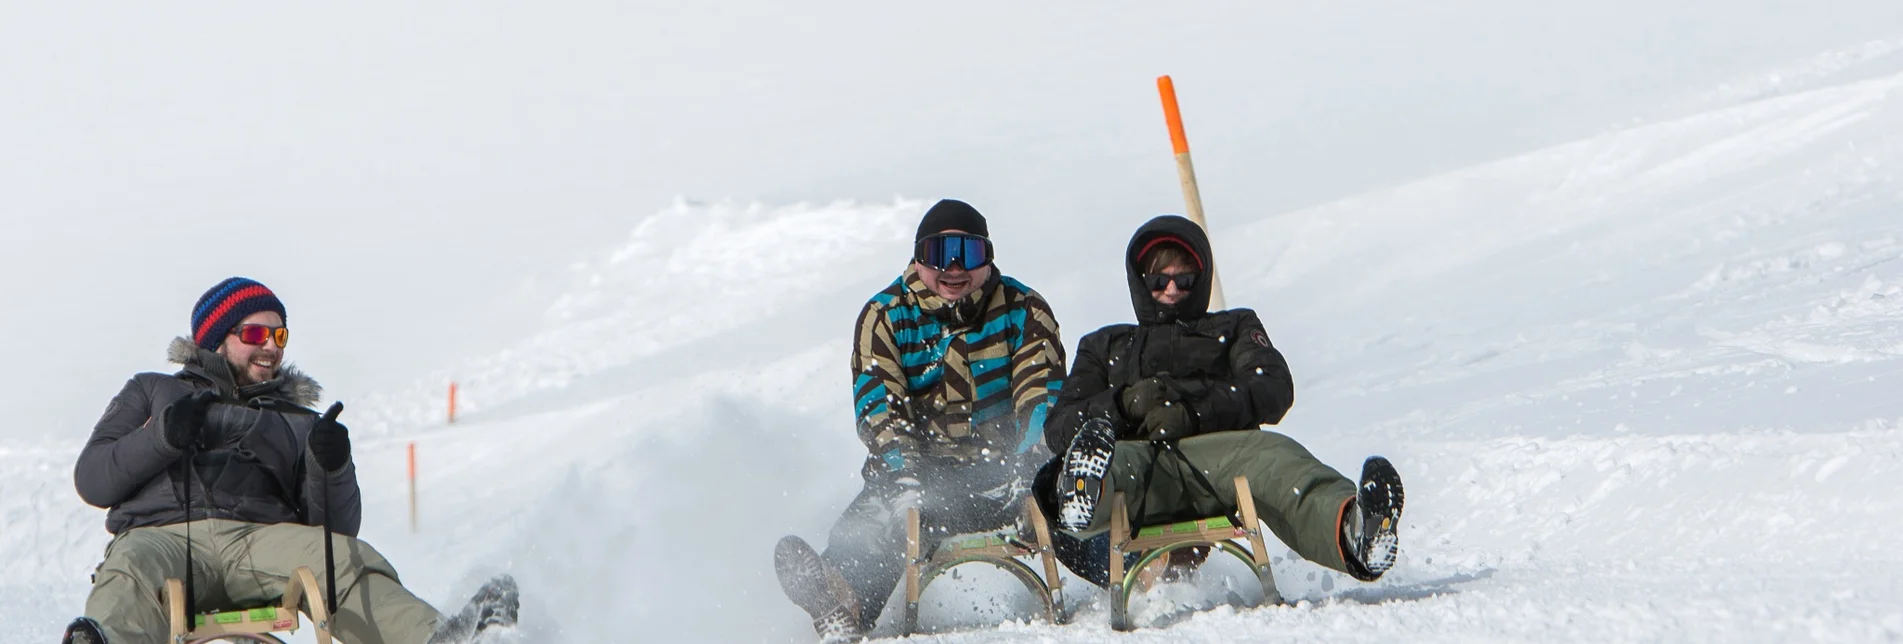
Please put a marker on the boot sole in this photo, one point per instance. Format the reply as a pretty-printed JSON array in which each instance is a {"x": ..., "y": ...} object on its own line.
[
  {"x": 1381, "y": 497},
  {"x": 805, "y": 577},
  {"x": 1086, "y": 465}
]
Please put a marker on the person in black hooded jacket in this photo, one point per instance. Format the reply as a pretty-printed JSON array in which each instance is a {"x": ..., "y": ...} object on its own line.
[{"x": 1170, "y": 409}]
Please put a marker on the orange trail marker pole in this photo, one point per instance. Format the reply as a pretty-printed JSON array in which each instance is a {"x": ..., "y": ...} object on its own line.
[
  {"x": 412, "y": 486},
  {"x": 1186, "y": 172},
  {"x": 452, "y": 402}
]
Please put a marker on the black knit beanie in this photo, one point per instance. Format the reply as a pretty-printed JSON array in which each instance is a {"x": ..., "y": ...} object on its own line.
[{"x": 951, "y": 214}]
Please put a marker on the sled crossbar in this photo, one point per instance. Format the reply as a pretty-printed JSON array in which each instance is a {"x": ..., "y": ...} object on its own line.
[
  {"x": 1150, "y": 543},
  {"x": 249, "y": 624},
  {"x": 265, "y": 617},
  {"x": 1002, "y": 549},
  {"x": 1212, "y": 529}
]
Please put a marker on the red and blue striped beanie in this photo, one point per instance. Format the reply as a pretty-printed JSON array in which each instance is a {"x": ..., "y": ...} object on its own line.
[{"x": 225, "y": 305}]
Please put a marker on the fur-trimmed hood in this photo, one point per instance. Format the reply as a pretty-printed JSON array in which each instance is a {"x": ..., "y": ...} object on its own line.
[
  {"x": 291, "y": 385},
  {"x": 1194, "y": 307}
]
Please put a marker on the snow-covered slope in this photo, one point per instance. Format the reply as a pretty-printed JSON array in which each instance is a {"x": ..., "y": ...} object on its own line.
[
  {"x": 1642, "y": 387},
  {"x": 694, "y": 287}
]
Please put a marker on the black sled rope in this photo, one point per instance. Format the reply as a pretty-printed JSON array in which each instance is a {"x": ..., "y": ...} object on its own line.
[
  {"x": 330, "y": 559},
  {"x": 191, "y": 593}
]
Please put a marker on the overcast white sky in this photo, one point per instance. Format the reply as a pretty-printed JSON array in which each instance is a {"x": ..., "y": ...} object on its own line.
[{"x": 401, "y": 172}]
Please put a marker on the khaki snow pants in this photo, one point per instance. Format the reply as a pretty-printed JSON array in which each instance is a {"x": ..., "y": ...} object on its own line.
[
  {"x": 243, "y": 565},
  {"x": 1300, "y": 498}
]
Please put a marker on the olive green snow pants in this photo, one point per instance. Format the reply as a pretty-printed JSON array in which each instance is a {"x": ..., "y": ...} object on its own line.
[
  {"x": 1300, "y": 498},
  {"x": 243, "y": 565}
]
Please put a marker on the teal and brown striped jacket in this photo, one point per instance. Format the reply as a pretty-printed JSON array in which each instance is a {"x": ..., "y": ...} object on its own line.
[{"x": 955, "y": 381}]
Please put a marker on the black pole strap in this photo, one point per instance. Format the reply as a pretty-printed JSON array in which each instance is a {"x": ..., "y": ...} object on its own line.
[
  {"x": 191, "y": 592},
  {"x": 330, "y": 558}
]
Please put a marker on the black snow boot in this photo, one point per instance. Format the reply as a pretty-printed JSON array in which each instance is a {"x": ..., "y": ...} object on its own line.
[
  {"x": 494, "y": 606},
  {"x": 1369, "y": 531},
  {"x": 1080, "y": 481},
  {"x": 818, "y": 588},
  {"x": 84, "y": 631}
]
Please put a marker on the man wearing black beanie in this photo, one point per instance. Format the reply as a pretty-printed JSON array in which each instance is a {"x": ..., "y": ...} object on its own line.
[{"x": 954, "y": 368}]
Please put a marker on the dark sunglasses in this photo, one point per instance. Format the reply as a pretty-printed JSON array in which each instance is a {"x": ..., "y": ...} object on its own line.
[
  {"x": 1160, "y": 281},
  {"x": 943, "y": 250},
  {"x": 257, "y": 334}
]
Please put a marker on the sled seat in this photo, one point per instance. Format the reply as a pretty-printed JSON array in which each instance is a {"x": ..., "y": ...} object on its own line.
[
  {"x": 1004, "y": 548},
  {"x": 254, "y": 624},
  {"x": 1150, "y": 543}
]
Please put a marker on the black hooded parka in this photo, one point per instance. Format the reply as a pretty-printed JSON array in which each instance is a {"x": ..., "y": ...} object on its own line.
[{"x": 1229, "y": 374}]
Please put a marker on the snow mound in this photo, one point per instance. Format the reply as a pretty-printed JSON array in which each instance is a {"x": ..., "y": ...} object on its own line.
[{"x": 688, "y": 274}]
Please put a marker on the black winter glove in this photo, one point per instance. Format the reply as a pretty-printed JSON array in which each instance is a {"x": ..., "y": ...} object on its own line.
[
  {"x": 1147, "y": 394},
  {"x": 1168, "y": 422},
  {"x": 184, "y": 419},
  {"x": 330, "y": 440}
]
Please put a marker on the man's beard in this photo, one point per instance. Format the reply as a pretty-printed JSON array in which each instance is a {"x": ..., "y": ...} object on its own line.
[{"x": 241, "y": 374}]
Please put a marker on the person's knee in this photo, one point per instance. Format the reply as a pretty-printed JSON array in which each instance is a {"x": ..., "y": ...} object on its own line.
[
  {"x": 146, "y": 561},
  {"x": 368, "y": 561},
  {"x": 122, "y": 583}
]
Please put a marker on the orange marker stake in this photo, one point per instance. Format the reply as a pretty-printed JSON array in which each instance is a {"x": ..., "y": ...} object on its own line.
[
  {"x": 412, "y": 487},
  {"x": 452, "y": 403},
  {"x": 1186, "y": 172}
]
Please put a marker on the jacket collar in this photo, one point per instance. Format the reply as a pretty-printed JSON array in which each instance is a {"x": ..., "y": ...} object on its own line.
[
  {"x": 961, "y": 313},
  {"x": 291, "y": 385}
]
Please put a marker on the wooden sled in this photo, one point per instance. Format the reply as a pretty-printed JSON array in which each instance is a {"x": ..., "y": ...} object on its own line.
[
  {"x": 1001, "y": 549},
  {"x": 1153, "y": 542},
  {"x": 251, "y": 624}
]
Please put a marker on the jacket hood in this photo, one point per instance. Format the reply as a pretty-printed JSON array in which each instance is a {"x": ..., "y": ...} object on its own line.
[
  {"x": 957, "y": 314},
  {"x": 1149, "y": 311},
  {"x": 291, "y": 385}
]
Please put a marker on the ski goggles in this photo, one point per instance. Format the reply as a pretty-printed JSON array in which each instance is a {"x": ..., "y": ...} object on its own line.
[
  {"x": 1160, "y": 281},
  {"x": 943, "y": 250},
  {"x": 257, "y": 334}
]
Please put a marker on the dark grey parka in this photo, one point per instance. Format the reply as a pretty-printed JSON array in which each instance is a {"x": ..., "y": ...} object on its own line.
[{"x": 255, "y": 465}]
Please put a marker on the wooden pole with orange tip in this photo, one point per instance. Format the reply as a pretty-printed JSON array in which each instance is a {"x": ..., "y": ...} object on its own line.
[
  {"x": 412, "y": 486},
  {"x": 1186, "y": 172}
]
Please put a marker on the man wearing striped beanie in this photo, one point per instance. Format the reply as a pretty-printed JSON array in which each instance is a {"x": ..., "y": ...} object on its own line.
[
  {"x": 219, "y": 314},
  {"x": 226, "y": 462}
]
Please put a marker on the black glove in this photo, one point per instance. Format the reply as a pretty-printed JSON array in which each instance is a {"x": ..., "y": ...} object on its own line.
[
  {"x": 898, "y": 455},
  {"x": 330, "y": 440},
  {"x": 184, "y": 419},
  {"x": 1147, "y": 394},
  {"x": 1168, "y": 422}
]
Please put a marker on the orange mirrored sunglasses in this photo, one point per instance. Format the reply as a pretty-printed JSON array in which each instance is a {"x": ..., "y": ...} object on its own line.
[{"x": 256, "y": 334}]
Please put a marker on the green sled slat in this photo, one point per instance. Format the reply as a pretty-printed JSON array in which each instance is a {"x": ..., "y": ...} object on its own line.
[{"x": 1186, "y": 527}]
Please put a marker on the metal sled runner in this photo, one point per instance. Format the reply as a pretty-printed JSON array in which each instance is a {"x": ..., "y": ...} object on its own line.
[
  {"x": 1002, "y": 549},
  {"x": 1153, "y": 542},
  {"x": 253, "y": 624}
]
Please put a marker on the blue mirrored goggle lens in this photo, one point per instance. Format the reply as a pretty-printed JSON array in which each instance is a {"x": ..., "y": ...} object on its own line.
[{"x": 943, "y": 251}]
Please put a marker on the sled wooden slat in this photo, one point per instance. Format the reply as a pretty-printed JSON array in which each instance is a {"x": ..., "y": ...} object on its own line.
[
  {"x": 250, "y": 624},
  {"x": 1211, "y": 529}
]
